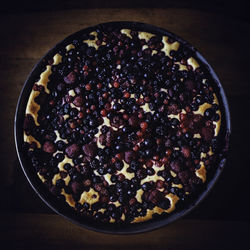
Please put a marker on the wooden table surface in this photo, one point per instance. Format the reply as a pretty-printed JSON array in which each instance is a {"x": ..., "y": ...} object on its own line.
[{"x": 220, "y": 222}]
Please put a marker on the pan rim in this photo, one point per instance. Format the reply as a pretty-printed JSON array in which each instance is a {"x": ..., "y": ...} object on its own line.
[{"x": 114, "y": 229}]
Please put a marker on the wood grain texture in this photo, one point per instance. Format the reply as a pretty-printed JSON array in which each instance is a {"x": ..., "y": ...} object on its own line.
[
  {"x": 223, "y": 41},
  {"x": 39, "y": 231}
]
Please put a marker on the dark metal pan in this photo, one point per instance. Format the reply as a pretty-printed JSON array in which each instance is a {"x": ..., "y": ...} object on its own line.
[{"x": 62, "y": 208}]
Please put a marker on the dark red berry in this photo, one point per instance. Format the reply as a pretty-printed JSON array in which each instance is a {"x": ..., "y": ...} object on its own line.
[
  {"x": 72, "y": 150},
  {"x": 143, "y": 125},
  {"x": 70, "y": 78},
  {"x": 49, "y": 147}
]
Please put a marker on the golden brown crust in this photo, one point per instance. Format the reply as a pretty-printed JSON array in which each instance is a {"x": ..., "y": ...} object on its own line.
[
  {"x": 157, "y": 210},
  {"x": 201, "y": 172},
  {"x": 30, "y": 139},
  {"x": 32, "y": 107}
]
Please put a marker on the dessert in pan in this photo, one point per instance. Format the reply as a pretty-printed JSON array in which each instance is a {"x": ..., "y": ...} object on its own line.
[{"x": 122, "y": 124}]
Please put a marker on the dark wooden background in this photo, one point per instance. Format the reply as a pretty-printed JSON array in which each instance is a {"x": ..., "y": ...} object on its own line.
[{"x": 222, "y": 35}]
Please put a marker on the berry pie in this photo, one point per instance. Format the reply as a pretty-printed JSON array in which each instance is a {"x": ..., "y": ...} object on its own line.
[{"x": 122, "y": 124}]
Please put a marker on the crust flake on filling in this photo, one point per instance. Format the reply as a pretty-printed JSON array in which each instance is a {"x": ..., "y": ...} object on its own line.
[{"x": 113, "y": 150}]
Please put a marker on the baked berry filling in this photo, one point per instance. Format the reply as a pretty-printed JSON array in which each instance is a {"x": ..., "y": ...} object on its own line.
[{"x": 123, "y": 125}]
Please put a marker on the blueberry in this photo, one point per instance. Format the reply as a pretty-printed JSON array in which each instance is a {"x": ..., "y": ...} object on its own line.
[
  {"x": 96, "y": 206},
  {"x": 90, "y": 51},
  {"x": 53, "y": 162},
  {"x": 84, "y": 170},
  {"x": 84, "y": 139},
  {"x": 215, "y": 107},
  {"x": 216, "y": 117},
  {"x": 152, "y": 106},
  {"x": 135, "y": 107},
  {"x": 141, "y": 173},
  {"x": 100, "y": 152},
  {"x": 135, "y": 181},
  {"x": 111, "y": 208},
  {"x": 204, "y": 148},
  {"x": 34, "y": 161},
  {"x": 165, "y": 174},
  {"x": 60, "y": 145},
  {"x": 215, "y": 144},
  {"x": 125, "y": 129},
  {"x": 134, "y": 186},
  {"x": 117, "y": 106},
  {"x": 122, "y": 199},
  {"x": 77, "y": 161},
  {"x": 125, "y": 183},
  {"x": 199, "y": 100},
  {"x": 143, "y": 212},
  {"x": 67, "y": 166},
  {"x": 119, "y": 147},
  {"x": 59, "y": 157},
  {"x": 52, "y": 136},
  {"x": 110, "y": 170},
  {"x": 110, "y": 115},
  {"x": 131, "y": 193},
  {"x": 86, "y": 205},
  {"x": 208, "y": 113},
  {"x": 187, "y": 135},
  {"x": 134, "y": 165},
  {"x": 103, "y": 159},
  {"x": 174, "y": 122},
  {"x": 119, "y": 165},
  {"x": 145, "y": 186},
  {"x": 101, "y": 171},
  {"x": 173, "y": 138},
  {"x": 119, "y": 137},
  {"x": 148, "y": 152},
  {"x": 167, "y": 83},
  {"x": 60, "y": 183},
  {"x": 150, "y": 171},
  {"x": 94, "y": 164},
  {"x": 54, "y": 94},
  {"x": 108, "y": 151},
  {"x": 76, "y": 177},
  {"x": 148, "y": 142},
  {"x": 55, "y": 170},
  {"x": 66, "y": 108},
  {"x": 194, "y": 106},
  {"x": 98, "y": 216},
  {"x": 118, "y": 185},
  {"x": 96, "y": 179},
  {"x": 73, "y": 112},
  {"x": 115, "y": 215},
  {"x": 132, "y": 136},
  {"x": 93, "y": 123},
  {"x": 160, "y": 130},
  {"x": 113, "y": 178}
]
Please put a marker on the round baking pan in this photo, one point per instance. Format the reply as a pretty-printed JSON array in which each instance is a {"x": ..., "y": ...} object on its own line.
[{"x": 62, "y": 208}]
